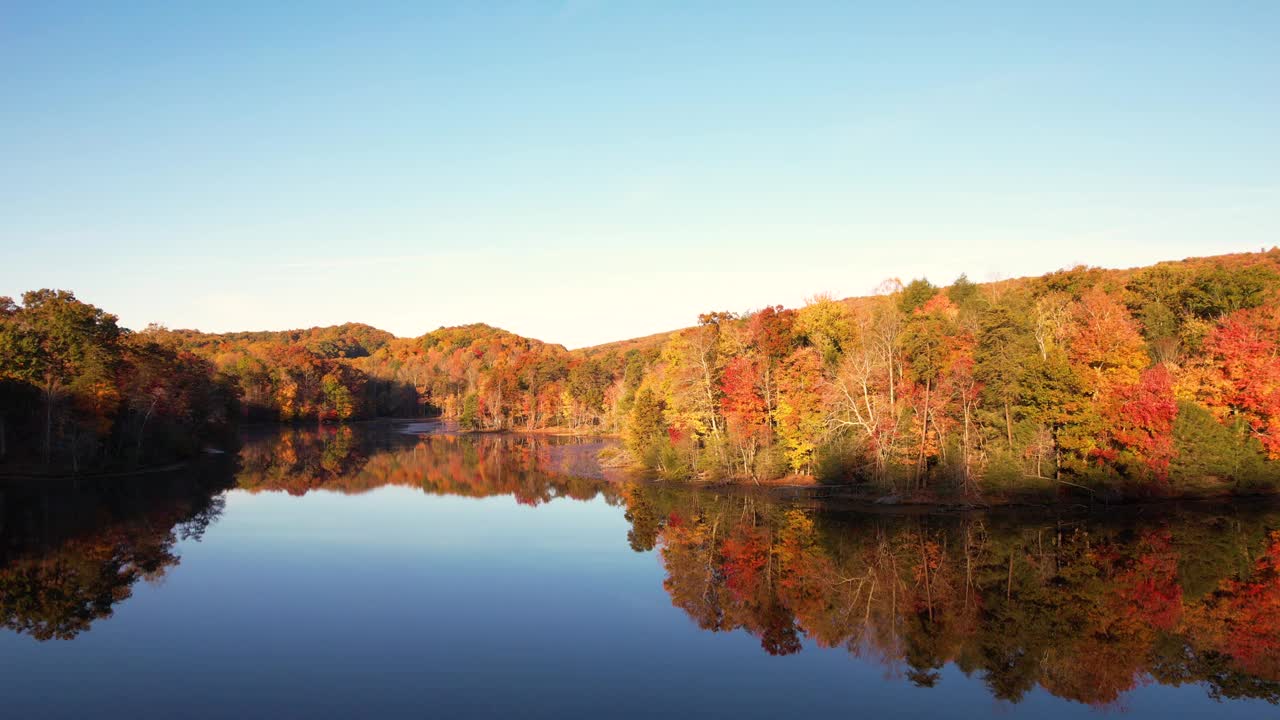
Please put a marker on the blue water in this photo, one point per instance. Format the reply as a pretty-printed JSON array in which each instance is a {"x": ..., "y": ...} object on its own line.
[{"x": 398, "y": 603}]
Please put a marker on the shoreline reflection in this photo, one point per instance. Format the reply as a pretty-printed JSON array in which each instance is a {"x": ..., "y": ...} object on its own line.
[{"x": 1086, "y": 607}]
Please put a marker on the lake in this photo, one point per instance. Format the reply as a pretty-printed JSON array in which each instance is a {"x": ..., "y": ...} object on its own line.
[{"x": 402, "y": 571}]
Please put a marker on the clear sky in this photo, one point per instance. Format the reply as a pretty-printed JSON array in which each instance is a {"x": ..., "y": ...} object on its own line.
[{"x": 588, "y": 171}]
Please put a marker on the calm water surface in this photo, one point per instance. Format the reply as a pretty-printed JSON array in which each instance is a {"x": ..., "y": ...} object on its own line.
[{"x": 365, "y": 572}]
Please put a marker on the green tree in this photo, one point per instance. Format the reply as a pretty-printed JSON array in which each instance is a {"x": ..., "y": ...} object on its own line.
[
  {"x": 1005, "y": 349},
  {"x": 1220, "y": 291},
  {"x": 915, "y": 294},
  {"x": 76, "y": 351},
  {"x": 469, "y": 419},
  {"x": 1208, "y": 452},
  {"x": 337, "y": 397},
  {"x": 648, "y": 427},
  {"x": 963, "y": 292}
]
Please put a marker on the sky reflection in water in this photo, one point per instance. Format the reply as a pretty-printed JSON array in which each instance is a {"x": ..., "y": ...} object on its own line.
[{"x": 361, "y": 573}]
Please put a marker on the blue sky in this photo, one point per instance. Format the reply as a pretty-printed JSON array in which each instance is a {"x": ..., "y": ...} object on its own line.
[{"x": 589, "y": 171}]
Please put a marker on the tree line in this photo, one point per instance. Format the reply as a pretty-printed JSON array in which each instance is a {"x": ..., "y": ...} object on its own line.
[
  {"x": 1162, "y": 380},
  {"x": 78, "y": 392},
  {"x": 1158, "y": 380}
]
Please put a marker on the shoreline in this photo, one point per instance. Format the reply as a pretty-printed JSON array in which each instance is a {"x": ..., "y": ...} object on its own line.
[
  {"x": 853, "y": 497},
  {"x": 65, "y": 477},
  {"x": 870, "y": 499},
  {"x": 845, "y": 498}
]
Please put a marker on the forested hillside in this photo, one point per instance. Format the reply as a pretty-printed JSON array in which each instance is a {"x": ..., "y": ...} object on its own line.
[
  {"x": 1153, "y": 381},
  {"x": 1162, "y": 380},
  {"x": 78, "y": 392}
]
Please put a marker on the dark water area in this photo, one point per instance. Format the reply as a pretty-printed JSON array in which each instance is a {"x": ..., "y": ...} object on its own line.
[{"x": 393, "y": 571}]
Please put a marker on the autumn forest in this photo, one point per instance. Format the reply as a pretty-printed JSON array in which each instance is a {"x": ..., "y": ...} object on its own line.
[{"x": 1150, "y": 382}]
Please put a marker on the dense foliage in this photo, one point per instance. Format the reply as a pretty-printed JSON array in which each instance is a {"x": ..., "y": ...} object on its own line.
[
  {"x": 77, "y": 391},
  {"x": 291, "y": 375},
  {"x": 1156, "y": 381}
]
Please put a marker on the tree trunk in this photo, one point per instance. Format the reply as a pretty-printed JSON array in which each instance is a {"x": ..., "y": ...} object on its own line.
[
  {"x": 924, "y": 437},
  {"x": 924, "y": 564},
  {"x": 1057, "y": 457},
  {"x": 1008, "y": 585},
  {"x": 48, "y": 420},
  {"x": 1008, "y": 424},
  {"x": 137, "y": 451}
]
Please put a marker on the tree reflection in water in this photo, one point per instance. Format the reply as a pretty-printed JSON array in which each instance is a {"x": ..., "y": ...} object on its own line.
[
  {"x": 530, "y": 468},
  {"x": 70, "y": 551},
  {"x": 1087, "y": 607}
]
